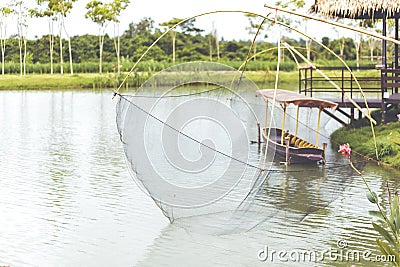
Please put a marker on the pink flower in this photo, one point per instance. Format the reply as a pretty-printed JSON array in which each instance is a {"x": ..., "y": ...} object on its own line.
[
  {"x": 345, "y": 149},
  {"x": 398, "y": 117}
]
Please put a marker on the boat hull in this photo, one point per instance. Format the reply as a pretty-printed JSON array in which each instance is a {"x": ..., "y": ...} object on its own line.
[{"x": 295, "y": 154}]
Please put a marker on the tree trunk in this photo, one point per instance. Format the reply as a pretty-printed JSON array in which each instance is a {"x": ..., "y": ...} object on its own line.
[
  {"x": 70, "y": 56},
  {"x": 101, "y": 41},
  {"x": 173, "y": 46},
  {"x": 117, "y": 47},
  {"x": 342, "y": 42},
  {"x": 371, "y": 53},
  {"x": 308, "y": 48},
  {"x": 3, "y": 54},
  {"x": 217, "y": 45},
  {"x": 358, "y": 50},
  {"x": 119, "y": 56},
  {"x": 20, "y": 56},
  {"x": 61, "y": 51},
  {"x": 25, "y": 53},
  {"x": 51, "y": 44},
  {"x": 210, "y": 44},
  {"x": 371, "y": 44}
]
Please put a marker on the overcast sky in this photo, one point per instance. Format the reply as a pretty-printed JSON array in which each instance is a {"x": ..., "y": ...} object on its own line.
[{"x": 228, "y": 26}]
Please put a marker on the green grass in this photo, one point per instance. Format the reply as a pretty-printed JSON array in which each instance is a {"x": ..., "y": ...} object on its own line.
[
  {"x": 359, "y": 136},
  {"x": 288, "y": 80},
  {"x": 66, "y": 81}
]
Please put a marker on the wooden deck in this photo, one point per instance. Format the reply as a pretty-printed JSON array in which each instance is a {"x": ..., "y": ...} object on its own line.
[{"x": 372, "y": 103}]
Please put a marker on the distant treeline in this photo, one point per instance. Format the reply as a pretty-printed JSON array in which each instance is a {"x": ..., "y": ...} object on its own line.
[{"x": 189, "y": 46}]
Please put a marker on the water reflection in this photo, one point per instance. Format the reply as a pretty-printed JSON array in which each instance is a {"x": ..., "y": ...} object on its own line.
[{"x": 66, "y": 197}]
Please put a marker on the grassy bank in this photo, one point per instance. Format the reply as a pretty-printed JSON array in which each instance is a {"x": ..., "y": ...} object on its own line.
[
  {"x": 359, "y": 136},
  {"x": 66, "y": 81},
  {"x": 264, "y": 79}
]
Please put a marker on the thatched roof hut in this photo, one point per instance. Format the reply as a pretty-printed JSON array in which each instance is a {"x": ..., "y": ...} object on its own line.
[
  {"x": 370, "y": 9},
  {"x": 357, "y": 9}
]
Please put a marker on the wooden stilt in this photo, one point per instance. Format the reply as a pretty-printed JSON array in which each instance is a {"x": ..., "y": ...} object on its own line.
[{"x": 324, "y": 148}]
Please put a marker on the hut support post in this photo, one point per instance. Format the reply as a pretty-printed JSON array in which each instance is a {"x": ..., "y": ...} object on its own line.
[
  {"x": 287, "y": 142},
  {"x": 324, "y": 148},
  {"x": 283, "y": 125},
  {"x": 318, "y": 126},
  {"x": 297, "y": 121}
]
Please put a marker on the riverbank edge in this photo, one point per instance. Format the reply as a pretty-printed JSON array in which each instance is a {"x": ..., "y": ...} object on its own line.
[
  {"x": 263, "y": 79},
  {"x": 359, "y": 136}
]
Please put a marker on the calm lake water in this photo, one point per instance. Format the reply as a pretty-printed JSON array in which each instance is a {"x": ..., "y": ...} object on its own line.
[{"x": 67, "y": 198}]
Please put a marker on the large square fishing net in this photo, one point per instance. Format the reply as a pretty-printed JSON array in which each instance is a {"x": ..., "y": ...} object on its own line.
[{"x": 191, "y": 139}]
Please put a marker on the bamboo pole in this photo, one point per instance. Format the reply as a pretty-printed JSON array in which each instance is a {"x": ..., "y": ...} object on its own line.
[{"x": 274, "y": 98}]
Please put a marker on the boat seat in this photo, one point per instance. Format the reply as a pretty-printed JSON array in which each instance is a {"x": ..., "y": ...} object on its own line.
[
  {"x": 297, "y": 142},
  {"x": 302, "y": 143},
  {"x": 293, "y": 140}
]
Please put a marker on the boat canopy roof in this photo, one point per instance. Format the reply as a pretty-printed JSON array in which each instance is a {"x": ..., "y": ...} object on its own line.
[{"x": 289, "y": 97}]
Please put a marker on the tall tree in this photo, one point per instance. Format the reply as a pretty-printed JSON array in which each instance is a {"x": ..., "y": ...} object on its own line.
[
  {"x": 213, "y": 40},
  {"x": 61, "y": 8},
  {"x": 41, "y": 12},
  {"x": 4, "y": 13},
  {"x": 187, "y": 27},
  {"x": 101, "y": 14},
  {"x": 20, "y": 10},
  {"x": 117, "y": 7}
]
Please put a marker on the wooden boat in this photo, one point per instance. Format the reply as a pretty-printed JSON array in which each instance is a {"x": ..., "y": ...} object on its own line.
[
  {"x": 290, "y": 146},
  {"x": 299, "y": 150}
]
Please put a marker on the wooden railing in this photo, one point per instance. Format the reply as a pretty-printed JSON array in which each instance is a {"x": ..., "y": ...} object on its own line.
[
  {"x": 390, "y": 79},
  {"x": 371, "y": 79}
]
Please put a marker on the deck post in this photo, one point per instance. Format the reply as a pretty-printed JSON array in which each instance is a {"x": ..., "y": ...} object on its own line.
[
  {"x": 384, "y": 68},
  {"x": 324, "y": 148},
  {"x": 287, "y": 142},
  {"x": 352, "y": 114},
  {"x": 259, "y": 136},
  {"x": 396, "y": 49},
  {"x": 311, "y": 77},
  {"x": 299, "y": 81},
  {"x": 305, "y": 81},
  {"x": 343, "y": 91},
  {"x": 283, "y": 124}
]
